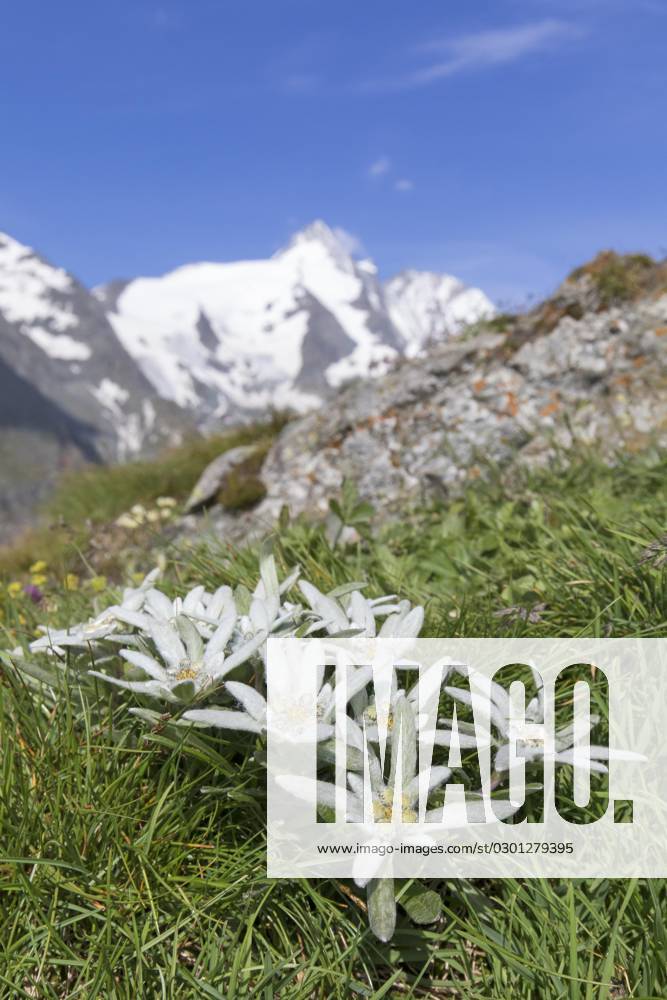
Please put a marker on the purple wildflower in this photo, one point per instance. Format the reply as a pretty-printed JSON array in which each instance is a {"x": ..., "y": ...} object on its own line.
[{"x": 33, "y": 592}]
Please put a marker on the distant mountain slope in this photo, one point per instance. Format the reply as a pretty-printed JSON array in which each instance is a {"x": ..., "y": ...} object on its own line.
[
  {"x": 23, "y": 407},
  {"x": 121, "y": 371},
  {"x": 38, "y": 441},
  {"x": 55, "y": 335},
  {"x": 69, "y": 393},
  {"x": 224, "y": 339}
]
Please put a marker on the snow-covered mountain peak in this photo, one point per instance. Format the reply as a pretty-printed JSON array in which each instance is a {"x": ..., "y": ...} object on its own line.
[
  {"x": 229, "y": 338},
  {"x": 30, "y": 276},
  {"x": 224, "y": 339},
  {"x": 316, "y": 232},
  {"x": 318, "y": 244},
  {"x": 55, "y": 336},
  {"x": 34, "y": 295},
  {"x": 427, "y": 307}
]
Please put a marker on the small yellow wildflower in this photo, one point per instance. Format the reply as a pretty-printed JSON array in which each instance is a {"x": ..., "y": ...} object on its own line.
[
  {"x": 152, "y": 516},
  {"x": 15, "y": 588},
  {"x": 39, "y": 566},
  {"x": 138, "y": 577},
  {"x": 165, "y": 502},
  {"x": 165, "y": 513},
  {"x": 138, "y": 510},
  {"x": 98, "y": 583},
  {"x": 37, "y": 579},
  {"x": 71, "y": 581}
]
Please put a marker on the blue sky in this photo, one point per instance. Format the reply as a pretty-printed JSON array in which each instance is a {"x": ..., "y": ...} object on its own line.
[{"x": 504, "y": 141}]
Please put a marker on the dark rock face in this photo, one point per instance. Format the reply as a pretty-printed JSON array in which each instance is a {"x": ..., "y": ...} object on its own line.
[
  {"x": 23, "y": 407},
  {"x": 206, "y": 332},
  {"x": 38, "y": 441},
  {"x": 325, "y": 343}
]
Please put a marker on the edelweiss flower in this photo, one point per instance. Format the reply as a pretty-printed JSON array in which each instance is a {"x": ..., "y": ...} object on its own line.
[
  {"x": 103, "y": 626},
  {"x": 204, "y": 609},
  {"x": 207, "y": 611},
  {"x": 265, "y": 612},
  {"x": 293, "y": 714},
  {"x": 397, "y": 799},
  {"x": 186, "y": 666},
  {"x": 346, "y": 611},
  {"x": 260, "y": 611},
  {"x": 560, "y": 749},
  {"x": 429, "y": 732}
]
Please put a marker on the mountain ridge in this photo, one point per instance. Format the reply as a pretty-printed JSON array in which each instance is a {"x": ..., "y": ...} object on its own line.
[
  {"x": 258, "y": 314},
  {"x": 125, "y": 368}
]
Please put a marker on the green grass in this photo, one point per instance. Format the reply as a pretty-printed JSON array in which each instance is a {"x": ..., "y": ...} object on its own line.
[
  {"x": 121, "y": 878},
  {"x": 94, "y": 496},
  {"x": 100, "y": 494},
  {"x": 622, "y": 277}
]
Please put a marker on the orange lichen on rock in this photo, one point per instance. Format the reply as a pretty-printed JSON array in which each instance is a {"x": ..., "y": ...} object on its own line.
[
  {"x": 512, "y": 404},
  {"x": 550, "y": 408}
]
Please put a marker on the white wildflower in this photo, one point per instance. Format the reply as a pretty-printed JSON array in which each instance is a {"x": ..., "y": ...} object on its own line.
[
  {"x": 294, "y": 711},
  {"x": 345, "y": 611},
  {"x": 127, "y": 521},
  {"x": 102, "y": 626},
  {"x": 183, "y": 665},
  {"x": 559, "y": 748}
]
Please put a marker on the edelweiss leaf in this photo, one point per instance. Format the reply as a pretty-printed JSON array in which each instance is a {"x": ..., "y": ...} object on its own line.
[
  {"x": 222, "y": 718},
  {"x": 253, "y": 702}
]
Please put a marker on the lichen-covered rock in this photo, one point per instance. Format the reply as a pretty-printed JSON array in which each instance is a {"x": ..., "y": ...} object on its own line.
[{"x": 516, "y": 396}]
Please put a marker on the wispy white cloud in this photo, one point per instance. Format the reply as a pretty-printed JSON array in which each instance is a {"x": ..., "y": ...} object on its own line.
[
  {"x": 379, "y": 167},
  {"x": 482, "y": 50},
  {"x": 383, "y": 166}
]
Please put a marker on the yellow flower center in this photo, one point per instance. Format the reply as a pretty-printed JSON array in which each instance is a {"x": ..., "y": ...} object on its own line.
[
  {"x": 187, "y": 673},
  {"x": 383, "y": 808},
  {"x": 372, "y": 716}
]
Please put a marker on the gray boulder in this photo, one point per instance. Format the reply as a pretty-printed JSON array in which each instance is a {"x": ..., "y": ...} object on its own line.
[{"x": 214, "y": 475}]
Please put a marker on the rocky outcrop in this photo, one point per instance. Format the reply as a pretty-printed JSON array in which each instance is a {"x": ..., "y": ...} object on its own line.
[{"x": 588, "y": 366}]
